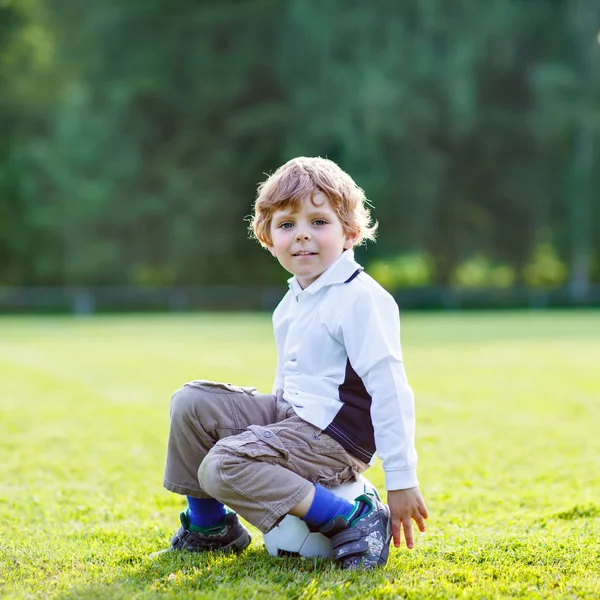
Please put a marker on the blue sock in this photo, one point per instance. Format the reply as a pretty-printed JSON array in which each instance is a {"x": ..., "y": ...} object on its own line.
[
  {"x": 205, "y": 512},
  {"x": 327, "y": 506}
]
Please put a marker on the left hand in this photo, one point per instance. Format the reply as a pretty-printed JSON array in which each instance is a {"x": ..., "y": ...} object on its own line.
[{"x": 406, "y": 505}]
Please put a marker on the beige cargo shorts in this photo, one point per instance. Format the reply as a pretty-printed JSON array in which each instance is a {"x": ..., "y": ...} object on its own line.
[{"x": 250, "y": 451}]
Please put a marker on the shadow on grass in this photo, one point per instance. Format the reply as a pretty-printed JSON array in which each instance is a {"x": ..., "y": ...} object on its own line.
[{"x": 253, "y": 574}]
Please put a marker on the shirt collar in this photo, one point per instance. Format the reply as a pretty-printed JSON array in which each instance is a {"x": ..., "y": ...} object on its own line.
[{"x": 339, "y": 272}]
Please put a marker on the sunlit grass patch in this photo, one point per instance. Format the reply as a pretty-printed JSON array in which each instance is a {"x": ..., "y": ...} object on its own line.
[{"x": 508, "y": 407}]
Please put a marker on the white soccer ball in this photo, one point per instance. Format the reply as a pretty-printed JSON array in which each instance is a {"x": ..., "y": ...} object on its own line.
[{"x": 292, "y": 537}]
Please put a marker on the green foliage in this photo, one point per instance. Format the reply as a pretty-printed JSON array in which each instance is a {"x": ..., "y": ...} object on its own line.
[
  {"x": 84, "y": 420},
  {"x": 136, "y": 132},
  {"x": 405, "y": 270},
  {"x": 544, "y": 268},
  {"x": 479, "y": 271},
  {"x": 143, "y": 275}
]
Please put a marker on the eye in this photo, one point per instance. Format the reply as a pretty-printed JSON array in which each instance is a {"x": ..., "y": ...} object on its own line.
[
  {"x": 320, "y": 222},
  {"x": 285, "y": 225}
]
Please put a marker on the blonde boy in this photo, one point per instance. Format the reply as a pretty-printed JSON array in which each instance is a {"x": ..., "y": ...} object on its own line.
[{"x": 340, "y": 392}]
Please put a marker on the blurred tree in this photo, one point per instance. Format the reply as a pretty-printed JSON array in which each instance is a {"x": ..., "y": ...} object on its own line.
[
  {"x": 27, "y": 87},
  {"x": 156, "y": 135},
  {"x": 14, "y": 56},
  {"x": 134, "y": 133},
  {"x": 428, "y": 105},
  {"x": 9, "y": 210},
  {"x": 585, "y": 23}
]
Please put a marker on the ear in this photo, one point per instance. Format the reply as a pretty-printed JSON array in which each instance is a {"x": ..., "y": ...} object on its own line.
[
  {"x": 351, "y": 239},
  {"x": 267, "y": 243}
]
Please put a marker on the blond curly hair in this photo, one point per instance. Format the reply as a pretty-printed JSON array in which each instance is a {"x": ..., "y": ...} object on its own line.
[{"x": 306, "y": 176}]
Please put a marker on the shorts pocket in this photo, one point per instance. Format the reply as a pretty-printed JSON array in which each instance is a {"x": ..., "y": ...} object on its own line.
[
  {"x": 259, "y": 443},
  {"x": 221, "y": 387},
  {"x": 332, "y": 477}
]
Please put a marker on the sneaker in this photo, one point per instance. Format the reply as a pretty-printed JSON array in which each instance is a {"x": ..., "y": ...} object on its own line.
[
  {"x": 362, "y": 542},
  {"x": 232, "y": 536}
]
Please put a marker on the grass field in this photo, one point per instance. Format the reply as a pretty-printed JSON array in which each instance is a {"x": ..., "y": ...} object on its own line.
[{"x": 508, "y": 434}]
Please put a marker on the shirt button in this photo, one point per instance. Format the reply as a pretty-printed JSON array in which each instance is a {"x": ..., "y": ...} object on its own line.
[{"x": 267, "y": 433}]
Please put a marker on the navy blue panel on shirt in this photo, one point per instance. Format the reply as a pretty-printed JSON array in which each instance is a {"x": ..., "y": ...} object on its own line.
[
  {"x": 352, "y": 426},
  {"x": 355, "y": 274}
]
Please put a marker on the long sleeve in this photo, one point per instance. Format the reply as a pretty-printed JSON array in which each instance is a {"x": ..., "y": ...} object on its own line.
[{"x": 370, "y": 328}]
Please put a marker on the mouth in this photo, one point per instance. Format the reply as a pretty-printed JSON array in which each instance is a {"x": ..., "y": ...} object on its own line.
[{"x": 304, "y": 253}]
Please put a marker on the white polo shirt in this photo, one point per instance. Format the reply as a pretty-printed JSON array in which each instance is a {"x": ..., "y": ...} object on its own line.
[{"x": 340, "y": 366}]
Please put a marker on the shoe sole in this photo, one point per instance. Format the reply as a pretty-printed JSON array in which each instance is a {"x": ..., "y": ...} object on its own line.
[{"x": 236, "y": 546}]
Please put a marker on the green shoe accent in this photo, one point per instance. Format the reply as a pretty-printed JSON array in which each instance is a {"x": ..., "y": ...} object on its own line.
[
  {"x": 355, "y": 509},
  {"x": 187, "y": 524},
  {"x": 350, "y": 518},
  {"x": 364, "y": 498}
]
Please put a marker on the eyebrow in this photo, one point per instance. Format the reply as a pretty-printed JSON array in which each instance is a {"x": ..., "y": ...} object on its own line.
[{"x": 311, "y": 215}]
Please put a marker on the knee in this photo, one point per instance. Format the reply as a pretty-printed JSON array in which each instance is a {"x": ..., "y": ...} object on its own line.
[
  {"x": 185, "y": 403},
  {"x": 210, "y": 472}
]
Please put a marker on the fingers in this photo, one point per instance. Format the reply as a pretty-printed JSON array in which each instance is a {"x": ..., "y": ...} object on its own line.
[
  {"x": 404, "y": 509},
  {"x": 420, "y": 522},
  {"x": 408, "y": 532},
  {"x": 396, "y": 532}
]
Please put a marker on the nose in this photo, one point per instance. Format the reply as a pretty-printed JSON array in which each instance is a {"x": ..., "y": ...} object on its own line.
[{"x": 303, "y": 237}]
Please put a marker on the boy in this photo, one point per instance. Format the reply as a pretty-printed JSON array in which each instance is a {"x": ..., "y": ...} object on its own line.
[{"x": 340, "y": 392}]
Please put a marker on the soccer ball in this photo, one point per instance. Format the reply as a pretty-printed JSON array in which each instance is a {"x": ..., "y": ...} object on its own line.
[{"x": 292, "y": 537}]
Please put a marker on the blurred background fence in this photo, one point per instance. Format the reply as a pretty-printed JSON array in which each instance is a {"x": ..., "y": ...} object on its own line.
[
  {"x": 133, "y": 134},
  {"x": 87, "y": 301}
]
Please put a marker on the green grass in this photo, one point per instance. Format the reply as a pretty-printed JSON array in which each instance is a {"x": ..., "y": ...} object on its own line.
[{"x": 508, "y": 434}]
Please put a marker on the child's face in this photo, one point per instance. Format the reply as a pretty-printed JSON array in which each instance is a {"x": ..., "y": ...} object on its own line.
[{"x": 309, "y": 241}]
